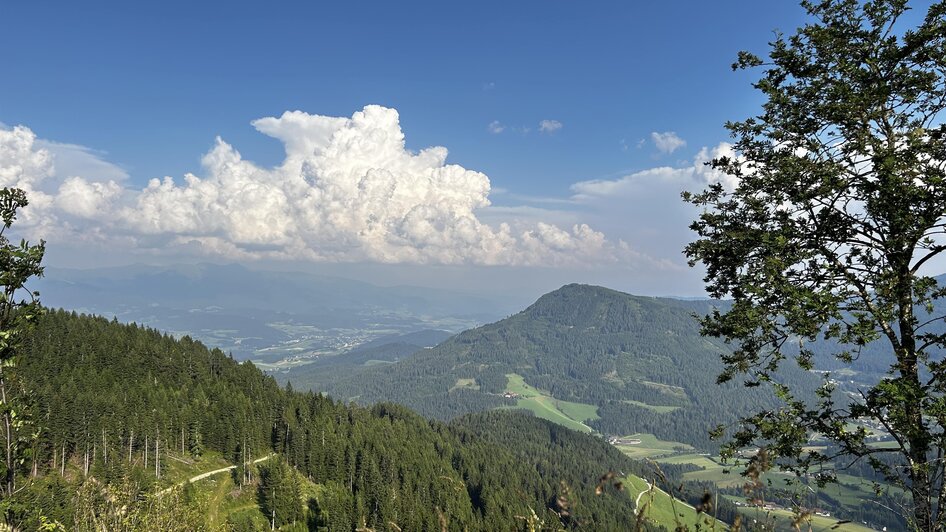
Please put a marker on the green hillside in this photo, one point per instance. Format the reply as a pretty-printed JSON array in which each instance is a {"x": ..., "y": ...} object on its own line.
[
  {"x": 635, "y": 364},
  {"x": 100, "y": 394}
]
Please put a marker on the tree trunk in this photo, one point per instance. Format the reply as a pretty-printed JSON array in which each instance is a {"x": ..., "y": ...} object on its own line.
[
  {"x": 9, "y": 476},
  {"x": 920, "y": 490}
]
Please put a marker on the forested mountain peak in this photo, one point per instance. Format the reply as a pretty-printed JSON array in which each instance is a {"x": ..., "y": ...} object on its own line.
[
  {"x": 604, "y": 360},
  {"x": 607, "y": 310}
]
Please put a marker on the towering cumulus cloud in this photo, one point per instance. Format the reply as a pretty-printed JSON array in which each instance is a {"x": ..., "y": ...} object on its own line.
[{"x": 348, "y": 190}]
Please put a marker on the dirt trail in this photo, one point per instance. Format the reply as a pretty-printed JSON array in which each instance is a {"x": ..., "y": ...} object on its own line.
[{"x": 210, "y": 473}]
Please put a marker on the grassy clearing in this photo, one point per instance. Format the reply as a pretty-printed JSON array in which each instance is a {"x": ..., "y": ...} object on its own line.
[
  {"x": 177, "y": 468},
  {"x": 465, "y": 383},
  {"x": 651, "y": 447},
  {"x": 216, "y": 494},
  {"x": 850, "y": 490},
  {"x": 566, "y": 413},
  {"x": 578, "y": 411},
  {"x": 660, "y": 509},
  {"x": 222, "y": 500},
  {"x": 543, "y": 408}
]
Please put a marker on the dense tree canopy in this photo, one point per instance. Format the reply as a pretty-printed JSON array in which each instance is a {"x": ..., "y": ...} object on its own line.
[
  {"x": 103, "y": 392},
  {"x": 839, "y": 204}
]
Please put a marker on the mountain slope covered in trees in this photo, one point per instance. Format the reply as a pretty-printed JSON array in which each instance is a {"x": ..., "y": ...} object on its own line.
[
  {"x": 101, "y": 393},
  {"x": 639, "y": 362}
]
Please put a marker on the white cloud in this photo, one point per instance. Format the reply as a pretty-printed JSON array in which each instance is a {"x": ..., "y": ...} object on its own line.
[
  {"x": 495, "y": 127},
  {"x": 20, "y": 163},
  {"x": 347, "y": 190},
  {"x": 76, "y": 160},
  {"x": 645, "y": 209},
  {"x": 86, "y": 199},
  {"x": 25, "y": 167},
  {"x": 691, "y": 177},
  {"x": 667, "y": 142},
  {"x": 549, "y": 126}
]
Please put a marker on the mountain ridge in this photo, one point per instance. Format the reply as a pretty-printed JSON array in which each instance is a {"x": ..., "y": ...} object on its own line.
[{"x": 638, "y": 362}]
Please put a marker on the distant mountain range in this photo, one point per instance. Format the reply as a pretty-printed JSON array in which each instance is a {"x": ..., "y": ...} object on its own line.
[{"x": 262, "y": 315}]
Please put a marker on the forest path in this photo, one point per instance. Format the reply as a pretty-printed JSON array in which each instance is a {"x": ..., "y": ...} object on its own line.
[
  {"x": 202, "y": 476},
  {"x": 637, "y": 503}
]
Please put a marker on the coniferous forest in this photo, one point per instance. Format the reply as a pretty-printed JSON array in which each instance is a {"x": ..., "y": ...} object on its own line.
[{"x": 112, "y": 404}]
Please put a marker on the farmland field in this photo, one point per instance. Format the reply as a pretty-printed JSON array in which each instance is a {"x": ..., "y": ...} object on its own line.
[
  {"x": 782, "y": 519},
  {"x": 651, "y": 447}
]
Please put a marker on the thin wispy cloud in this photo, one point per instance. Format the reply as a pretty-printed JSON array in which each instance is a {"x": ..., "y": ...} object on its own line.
[
  {"x": 495, "y": 127},
  {"x": 549, "y": 126},
  {"x": 667, "y": 142},
  {"x": 693, "y": 176}
]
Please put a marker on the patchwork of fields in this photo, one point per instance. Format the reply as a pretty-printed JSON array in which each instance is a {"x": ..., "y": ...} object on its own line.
[
  {"x": 849, "y": 489},
  {"x": 656, "y": 505}
]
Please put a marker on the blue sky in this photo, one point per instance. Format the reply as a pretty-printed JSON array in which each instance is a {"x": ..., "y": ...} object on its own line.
[
  {"x": 153, "y": 83},
  {"x": 132, "y": 91}
]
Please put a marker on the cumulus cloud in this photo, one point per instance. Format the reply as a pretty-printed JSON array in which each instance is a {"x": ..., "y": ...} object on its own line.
[
  {"x": 56, "y": 197},
  {"x": 25, "y": 167},
  {"x": 549, "y": 126},
  {"x": 347, "y": 190},
  {"x": 667, "y": 142},
  {"x": 86, "y": 199},
  {"x": 495, "y": 127}
]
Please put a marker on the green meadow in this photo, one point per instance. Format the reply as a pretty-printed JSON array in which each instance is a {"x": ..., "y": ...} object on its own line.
[{"x": 543, "y": 405}]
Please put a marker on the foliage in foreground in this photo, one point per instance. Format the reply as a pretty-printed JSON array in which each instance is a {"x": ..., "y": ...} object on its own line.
[{"x": 837, "y": 202}]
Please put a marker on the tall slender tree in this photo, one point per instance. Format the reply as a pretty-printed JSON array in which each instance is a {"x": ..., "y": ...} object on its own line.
[
  {"x": 19, "y": 307},
  {"x": 839, "y": 204}
]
